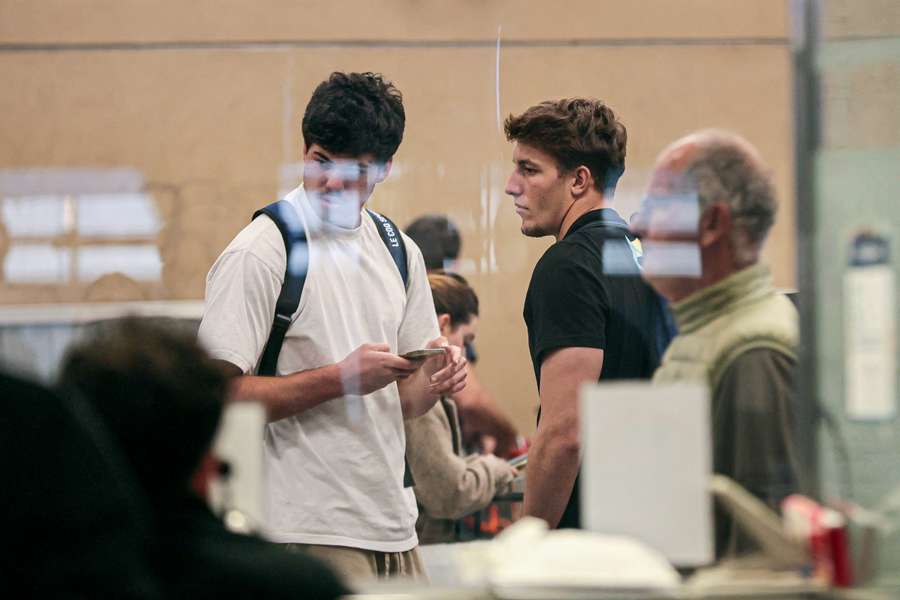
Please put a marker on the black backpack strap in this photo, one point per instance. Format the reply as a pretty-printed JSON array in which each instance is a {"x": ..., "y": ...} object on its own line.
[
  {"x": 285, "y": 218},
  {"x": 391, "y": 237}
]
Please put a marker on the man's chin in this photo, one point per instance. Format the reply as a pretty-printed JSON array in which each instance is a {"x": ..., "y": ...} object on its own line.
[{"x": 532, "y": 230}]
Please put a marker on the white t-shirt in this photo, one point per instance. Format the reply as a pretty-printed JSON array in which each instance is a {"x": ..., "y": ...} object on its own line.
[{"x": 334, "y": 473}]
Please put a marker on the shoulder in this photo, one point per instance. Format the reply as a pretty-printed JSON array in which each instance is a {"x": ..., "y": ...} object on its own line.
[
  {"x": 261, "y": 239},
  {"x": 760, "y": 362},
  {"x": 564, "y": 264},
  {"x": 758, "y": 378}
]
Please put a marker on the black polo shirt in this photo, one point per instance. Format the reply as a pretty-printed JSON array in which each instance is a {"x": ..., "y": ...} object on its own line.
[{"x": 586, "y": 291}]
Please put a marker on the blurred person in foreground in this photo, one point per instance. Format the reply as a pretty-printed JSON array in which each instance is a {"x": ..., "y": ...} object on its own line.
[
  {"x": 590, "y": 316},
  {"x": 449, "y": 484},
  {"x": 484, "y": 425},
  {"x": 161, "y": 397},
  {"x": 335, "y": 444},
  {"x": 73, "y": 519},
  {"x": 708, "y": 210}
]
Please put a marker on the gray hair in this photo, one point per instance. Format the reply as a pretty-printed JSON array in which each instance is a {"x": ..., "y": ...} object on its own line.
[{"x": 727, "y": 168}]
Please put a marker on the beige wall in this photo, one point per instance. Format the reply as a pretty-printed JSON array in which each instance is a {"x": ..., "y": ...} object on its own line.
[{"x": 204, "y": 98}]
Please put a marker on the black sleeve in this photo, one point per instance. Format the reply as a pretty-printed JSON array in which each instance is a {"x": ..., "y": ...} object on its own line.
[
  {"x": 753, "y": 441},
  {"x": 567, "y": 303}
]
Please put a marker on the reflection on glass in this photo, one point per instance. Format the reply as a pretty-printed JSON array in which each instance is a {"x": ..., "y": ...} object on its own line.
[
  {"x": 32, "y": 216},
  {"x": 37, "y": 263},
  {"x": 117, "y": 215},
  {"x": 140, "y": 262}
]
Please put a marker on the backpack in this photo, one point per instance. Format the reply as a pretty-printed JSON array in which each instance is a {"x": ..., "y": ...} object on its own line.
[{"x": 284, "y": 215}]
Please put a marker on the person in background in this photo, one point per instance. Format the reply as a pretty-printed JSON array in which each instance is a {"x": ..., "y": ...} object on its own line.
[
  {"x": 161, "y": 398},
  {"x": 590, "y": 316},
  {"x": 448, "y": 483},
  {"x": 484, "y": 425},
  {"x": 438, "y": 239},
  {"x": 710, "y": 193},
  {"x": 74, "y": 521}
]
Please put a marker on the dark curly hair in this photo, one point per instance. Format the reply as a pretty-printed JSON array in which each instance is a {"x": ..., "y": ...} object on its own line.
[
  {"x": 355, "y": 114},
  {"x": 575, "y": 132}
]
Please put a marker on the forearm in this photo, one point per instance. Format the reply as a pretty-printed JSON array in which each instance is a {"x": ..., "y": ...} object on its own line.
[
  {"x": 415, "y": 397},
  {"x": 553, "y": 463},
  {"x": 449, "y": 486},
  {"x": 290, "y": 395}
]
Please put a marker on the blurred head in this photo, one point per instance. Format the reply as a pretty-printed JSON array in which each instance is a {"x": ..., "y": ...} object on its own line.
[
  {"x": 156, "y": 390},
  {"x": 565, "y": 151},
  {"x": 438, "y": 239},
  {"x": 352, "y": 127},
  {"x": 711, "y": 196},
  {"x": 456, "y": 306}
]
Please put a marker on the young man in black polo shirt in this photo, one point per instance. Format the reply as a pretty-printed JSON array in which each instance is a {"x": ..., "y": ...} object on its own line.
[{"x": 589, "y": 315}]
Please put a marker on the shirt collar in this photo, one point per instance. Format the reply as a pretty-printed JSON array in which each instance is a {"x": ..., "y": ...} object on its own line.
[{"x": 607, "y": 215}]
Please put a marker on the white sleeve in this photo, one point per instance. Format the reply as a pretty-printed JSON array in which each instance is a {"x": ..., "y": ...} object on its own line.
[
  {"x": 419, "y": 324},
  {"x": 241, "y": 291}
]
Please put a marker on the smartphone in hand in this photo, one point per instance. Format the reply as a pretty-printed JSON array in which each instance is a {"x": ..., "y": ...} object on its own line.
[{"x": 422, "y": 354}]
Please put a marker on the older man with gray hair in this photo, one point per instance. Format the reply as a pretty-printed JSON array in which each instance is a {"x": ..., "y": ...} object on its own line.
[{"x": 709, "y": 208}]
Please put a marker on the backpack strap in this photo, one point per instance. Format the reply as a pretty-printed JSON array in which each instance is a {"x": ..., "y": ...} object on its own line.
[
  {"x": 397, "y": 247},
  {"x": 285, "y": 218},
  {"x": 394, "y": 242}
]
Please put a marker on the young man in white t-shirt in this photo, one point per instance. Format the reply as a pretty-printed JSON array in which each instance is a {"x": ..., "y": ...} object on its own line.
[{"x": 334, "y": 444}]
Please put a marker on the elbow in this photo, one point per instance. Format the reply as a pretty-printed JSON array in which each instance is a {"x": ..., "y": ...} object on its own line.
[{"x": 560, "y": 441}]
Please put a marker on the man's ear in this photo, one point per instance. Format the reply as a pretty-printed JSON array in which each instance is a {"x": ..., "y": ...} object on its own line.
[
  {"x": 444, "y": 324},
  {"x": 582, "y": 181},
  {"x": 715, "y": 224}
]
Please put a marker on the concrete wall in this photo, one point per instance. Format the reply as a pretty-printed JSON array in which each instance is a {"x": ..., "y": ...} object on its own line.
[{"x": 204, "y": 100}]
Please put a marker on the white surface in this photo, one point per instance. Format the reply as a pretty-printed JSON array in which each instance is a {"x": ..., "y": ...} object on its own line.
[
  {"x": 646, "y": 466},
  {"x": 239, "y": 443},
  {"x": 870, "y": 342}
]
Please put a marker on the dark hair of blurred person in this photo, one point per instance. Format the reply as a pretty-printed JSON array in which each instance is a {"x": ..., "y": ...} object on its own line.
[
  {"x": 438, "y": 239},
  {"x": 73, "y": 519},
  {"x": 161, "y": 397}
]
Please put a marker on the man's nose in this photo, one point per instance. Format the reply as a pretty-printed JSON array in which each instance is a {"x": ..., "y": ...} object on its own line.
[
  {"x": 334, "y": 180},
  {"x": 512, "y": 186}
]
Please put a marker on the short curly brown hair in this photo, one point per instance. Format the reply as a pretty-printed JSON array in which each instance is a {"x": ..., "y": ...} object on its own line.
[{"x": 575, "y": 132}]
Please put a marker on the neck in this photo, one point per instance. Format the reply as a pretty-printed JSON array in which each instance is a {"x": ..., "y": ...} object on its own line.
[
  {"x": 714, "y": 270},
  {"x": 578, "y": 208}
]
